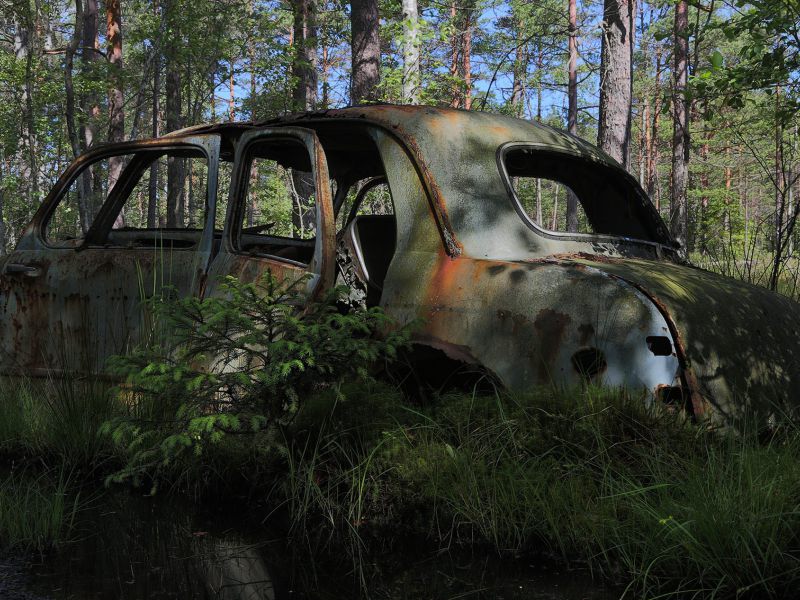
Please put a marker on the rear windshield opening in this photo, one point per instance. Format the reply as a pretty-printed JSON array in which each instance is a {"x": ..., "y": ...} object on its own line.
[{"x": 607, "y": 201}]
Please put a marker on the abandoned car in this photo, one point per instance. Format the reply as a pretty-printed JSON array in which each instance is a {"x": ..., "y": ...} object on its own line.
[{"x": 450, "y": 216}]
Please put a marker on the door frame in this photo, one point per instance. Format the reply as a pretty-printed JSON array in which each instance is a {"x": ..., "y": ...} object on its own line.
[{"x": 323, "y": 263}]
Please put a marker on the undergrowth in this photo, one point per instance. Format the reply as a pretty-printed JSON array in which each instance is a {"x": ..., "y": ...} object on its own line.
[
  {"x": 252, "y": 398},
  {"x": 38, "y": 509}
]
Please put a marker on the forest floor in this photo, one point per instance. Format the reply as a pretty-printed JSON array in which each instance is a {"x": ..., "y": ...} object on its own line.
[
  {"x": 15, "y": 580},
  {"x": 642, "y": 499}
]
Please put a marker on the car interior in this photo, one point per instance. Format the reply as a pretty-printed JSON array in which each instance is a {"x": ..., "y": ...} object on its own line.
[
  {"x": 278, "y": 186},
  {"x": 366, "y": 230}
]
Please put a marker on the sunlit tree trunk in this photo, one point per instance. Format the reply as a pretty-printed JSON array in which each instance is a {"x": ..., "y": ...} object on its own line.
[
  {"x": 616, "y": 82},
  {"x": 520, "y": 69},
  {"x": 572, "y": 104},
  {"x": 466, "y": 56},
  {"x": 116, "y": 109},
  {"x": 455, "y": 45},
  {"x": 411, "y": 69},
  {"x": 365, "y": 51},
  {"x": 680, "y": 132},
  {"x": 304, "y": 64}
]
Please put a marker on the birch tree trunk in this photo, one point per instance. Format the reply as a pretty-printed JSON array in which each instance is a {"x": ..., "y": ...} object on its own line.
[{"x": 411, "y": 69}]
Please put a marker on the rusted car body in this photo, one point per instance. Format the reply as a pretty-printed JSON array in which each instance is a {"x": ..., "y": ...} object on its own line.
[{"x": 494, "y": 289}]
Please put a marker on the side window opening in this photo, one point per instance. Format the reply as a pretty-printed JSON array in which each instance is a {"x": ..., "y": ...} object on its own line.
[
  {"x": 170, "y": 193},
  {"x": 609, "y": 203},
  {"x": 79, "y": 204},
  {"x": 545, "y": 203},
  {"x": 278, "y": 213},
  {"x": 164, "y": 201}
]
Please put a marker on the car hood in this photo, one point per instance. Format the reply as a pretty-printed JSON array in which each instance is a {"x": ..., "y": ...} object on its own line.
[{"x": 739, "y": 344}]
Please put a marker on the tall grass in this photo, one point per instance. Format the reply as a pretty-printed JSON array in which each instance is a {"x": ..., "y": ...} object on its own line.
[
  {"x": 642, "y": 496},
  {"x": 37, "y": 510},
  {"x": 57, "y": 418}
]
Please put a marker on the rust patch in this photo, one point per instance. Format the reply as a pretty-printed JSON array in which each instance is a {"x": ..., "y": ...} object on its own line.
[
  {"x": 550, "y": 326},
  {"x": 518, "y": 322},
  {"x": 443, "y": 280},
  {"x": 600, "y": 258}
]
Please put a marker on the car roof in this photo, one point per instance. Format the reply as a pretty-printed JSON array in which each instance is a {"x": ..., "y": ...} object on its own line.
[{"x": 425, "y": 125}]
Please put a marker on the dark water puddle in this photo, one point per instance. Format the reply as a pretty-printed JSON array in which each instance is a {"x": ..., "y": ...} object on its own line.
[{"x": 130, "y": 548}]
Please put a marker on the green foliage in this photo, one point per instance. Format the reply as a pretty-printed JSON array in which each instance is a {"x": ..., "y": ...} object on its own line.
[
  {"x": 769, "y": 58},
  {"x": 37, "y": 510},
  {"x": 641, "y": 495},
  {"x": 240, "y": 363},
  {"x": 56, "y": 420}
]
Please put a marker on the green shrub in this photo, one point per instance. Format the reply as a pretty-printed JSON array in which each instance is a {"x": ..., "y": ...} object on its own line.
[{"x": 241, "y": 362}]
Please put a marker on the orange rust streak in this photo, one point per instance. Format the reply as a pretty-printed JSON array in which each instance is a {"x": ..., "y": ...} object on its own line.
[{"x": 444, "y": 279}]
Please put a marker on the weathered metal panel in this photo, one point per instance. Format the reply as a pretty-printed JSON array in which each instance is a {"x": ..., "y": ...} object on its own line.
[{"x": 742, "y": 342}]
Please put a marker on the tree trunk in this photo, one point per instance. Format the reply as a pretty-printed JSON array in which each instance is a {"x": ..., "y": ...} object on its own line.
[
  {"x": 23, "y": 51},
  {"x": 780, "y": 196},
  {"x": 69, "y": 88},
  {"x": 411, "y": 70},
  {"x": 251, "y": 51},
  {"x": 680, "y": 132},
  {"x": 616, "y": 81},
  {"x": 702, "y": 224},
  {"x": 152, "y": 191},
  {"x": 116, "y": 109},
  {"x": 652, "y": 148},
  {"x": 466, "y": 57},
  {"x": 90, "y": 105},
  {"x": 175, "y": 166},
  {"x": 304, "y": 96},
  {"x": 304, "y": 63},
  {"x": 455, "y": 45},
  {"x": 231, "y": 96},
  {"x": 572, "y": 105},
  {"x": 520, "y": 69},
  {"x": 366, "y": 51}
]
